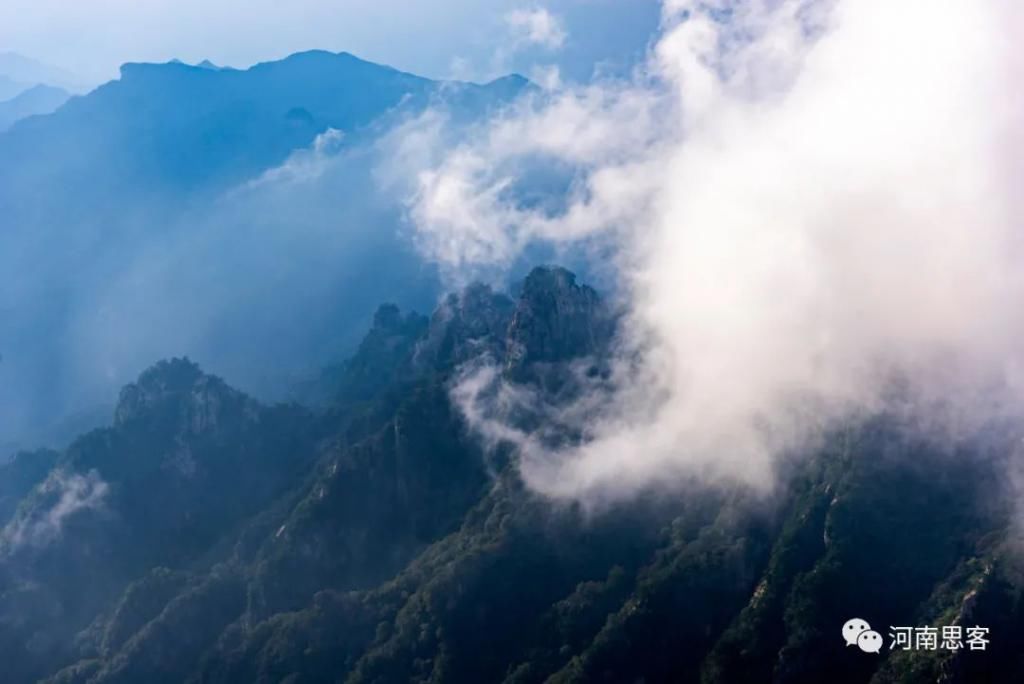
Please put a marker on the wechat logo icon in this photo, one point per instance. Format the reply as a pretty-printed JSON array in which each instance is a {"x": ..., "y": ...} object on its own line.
[{"x": 857, "y": 632}]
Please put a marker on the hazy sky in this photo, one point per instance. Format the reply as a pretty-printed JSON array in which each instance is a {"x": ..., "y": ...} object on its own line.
[{"x": 439, "y": 38}]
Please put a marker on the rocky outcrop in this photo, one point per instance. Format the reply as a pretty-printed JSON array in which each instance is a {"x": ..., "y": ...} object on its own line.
[
  {"x": 187, "y": 460},
  {"x": 555, "y": 320},
  {"x": 382, "y": 359},
  {"x": 178, "y": 390},
  {"x": 465, "y": 326}
]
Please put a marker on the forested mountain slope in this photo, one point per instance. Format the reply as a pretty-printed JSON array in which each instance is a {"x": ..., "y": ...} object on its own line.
[{"x": 204, "y": 537}]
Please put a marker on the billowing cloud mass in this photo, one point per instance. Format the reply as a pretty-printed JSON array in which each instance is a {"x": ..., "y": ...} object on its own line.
[{"x": 815, "y": 212}]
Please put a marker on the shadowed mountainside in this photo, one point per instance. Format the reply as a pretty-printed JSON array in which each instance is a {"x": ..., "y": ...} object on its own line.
[{"x": 377, "y": 541}]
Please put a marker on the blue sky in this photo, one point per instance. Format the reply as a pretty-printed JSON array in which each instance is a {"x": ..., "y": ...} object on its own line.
[{"x": 437, "y": 38}]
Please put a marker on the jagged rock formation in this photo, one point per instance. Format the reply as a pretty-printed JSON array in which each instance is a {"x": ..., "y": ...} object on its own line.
[
  {"x": 555, "y": 320},
  {"x": 224, "y": 541},
  {"x": 186, "y": 461},
  {"x": 467, "y": 325}
]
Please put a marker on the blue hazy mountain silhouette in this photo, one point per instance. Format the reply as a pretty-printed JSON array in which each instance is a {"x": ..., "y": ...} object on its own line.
[
  {"x": 28, "y": 71},
  {"x": 193, "y": 127},
  {"x": 131, "y": 231},
  {"x": 40, "y": 99},
  {"x": 10, "y": 87}
]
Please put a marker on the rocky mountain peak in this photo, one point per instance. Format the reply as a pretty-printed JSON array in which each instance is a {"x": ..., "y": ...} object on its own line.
[
  {"x": 383, "y": 353},
  {"x": 180, "y": 386},
  {"x": 466, "y": 325},
  {"x": 388, "y": 319},
  {"x": 555, "y": 320}
]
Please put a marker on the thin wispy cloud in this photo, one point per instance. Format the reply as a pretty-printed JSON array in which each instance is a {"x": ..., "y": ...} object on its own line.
[
  {"x": 66, "y": 495},
  {"x": 529, "y": 38}
]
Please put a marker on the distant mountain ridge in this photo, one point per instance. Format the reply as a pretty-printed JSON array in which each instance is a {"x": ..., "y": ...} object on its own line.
[
  {"x": 30, "y": 71},
  {"x": 40, "y": 99},
  {"x": 236, "y": 118},
  {"x": 10, "y": 88},
  {"x": 20, "y": 76},
  {"x": 156, "y": 167}
]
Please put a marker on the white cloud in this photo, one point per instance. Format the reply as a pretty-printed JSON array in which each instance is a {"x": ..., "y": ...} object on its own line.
[
  {"x": 462, "y": 204},
  {"x": 548, "y": 77},
  {"x": 814, "y": 202},
  {"x": 537, "y": 27}
]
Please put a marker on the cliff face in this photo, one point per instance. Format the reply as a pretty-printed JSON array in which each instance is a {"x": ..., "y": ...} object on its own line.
[
  {"x": 556, "y": 320},
  {"x": 467, "y": 325},
  {"x": 204, "y": 537}
]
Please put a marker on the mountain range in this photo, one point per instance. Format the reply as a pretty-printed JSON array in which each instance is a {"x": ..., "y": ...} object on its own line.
[
  {"x": 202, "y": 536},
  {"x": 118, "y": 209},
  {"x": 29, "y": 87}
]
